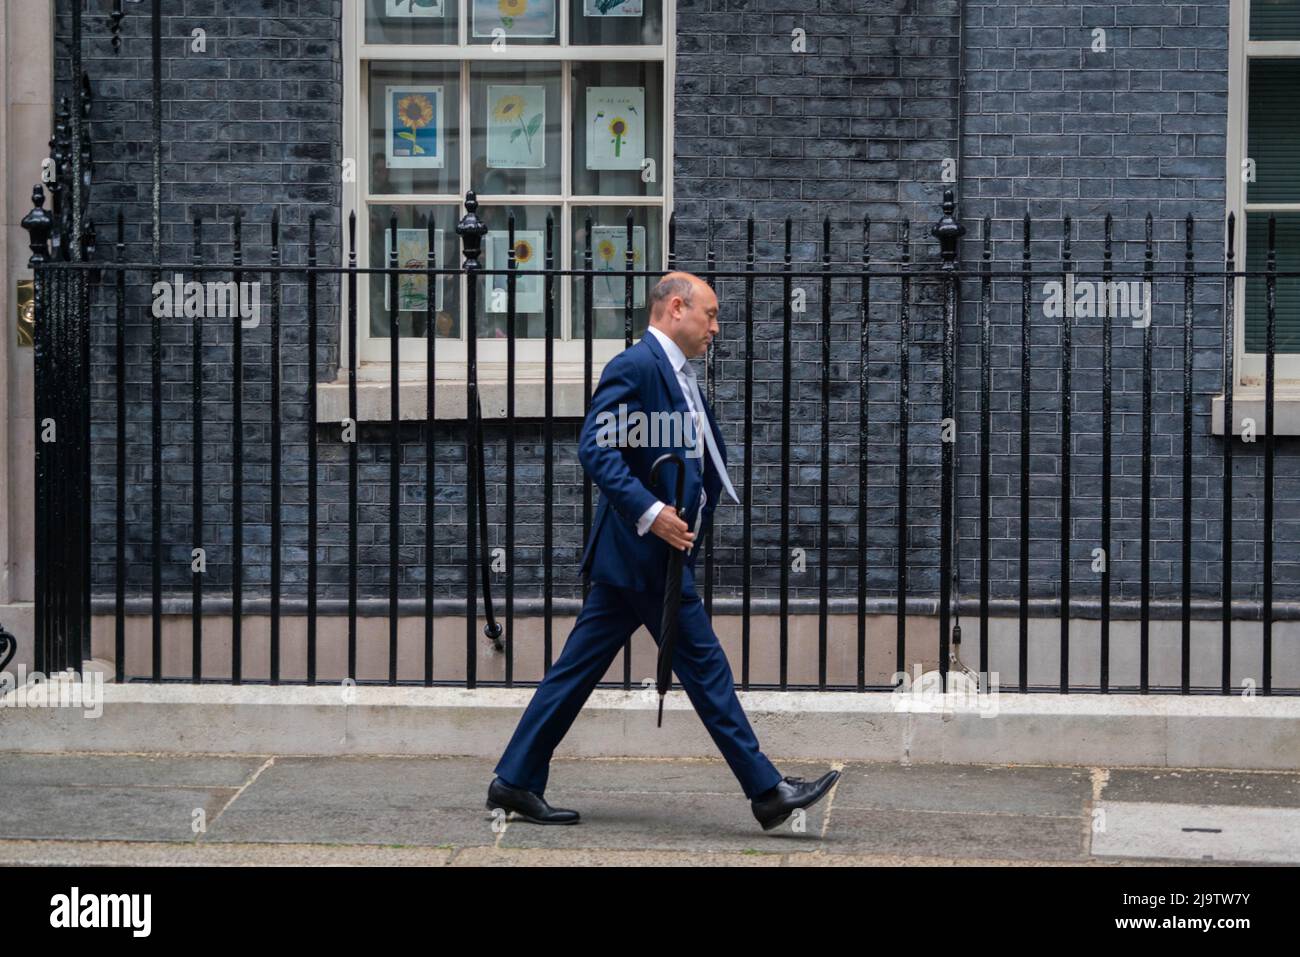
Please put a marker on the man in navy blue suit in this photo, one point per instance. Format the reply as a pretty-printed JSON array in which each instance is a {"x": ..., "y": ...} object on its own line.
[{"x": 648, "y": 403}]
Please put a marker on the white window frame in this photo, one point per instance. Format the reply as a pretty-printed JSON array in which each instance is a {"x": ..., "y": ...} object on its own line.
[
  {"x": 1248, "y": 368},
  {"x": 373, "y": 366}
]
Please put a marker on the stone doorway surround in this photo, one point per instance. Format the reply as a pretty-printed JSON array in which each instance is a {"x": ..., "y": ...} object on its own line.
[{"x": 26, "y": 111}]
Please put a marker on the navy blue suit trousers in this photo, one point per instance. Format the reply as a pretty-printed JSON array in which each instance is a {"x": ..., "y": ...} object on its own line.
[{"x": 608, "y": 618}]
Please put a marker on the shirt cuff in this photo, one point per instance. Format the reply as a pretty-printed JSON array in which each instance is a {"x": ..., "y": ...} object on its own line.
[{"x": 648, "y": 517}]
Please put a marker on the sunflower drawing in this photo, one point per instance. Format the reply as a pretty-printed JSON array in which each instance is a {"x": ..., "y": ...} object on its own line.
[
  {"x": 618, "y": 129},
  {"x": 416, "y": 112},
  {"x": 510, "y": 9},
  {"x": 509, "y": 108},
  {"x": 411, "y": 290},
  {"x": 523, "y": 251},
  {"x": 512, "y": 107},
  {"x": 607, "y": 251}
]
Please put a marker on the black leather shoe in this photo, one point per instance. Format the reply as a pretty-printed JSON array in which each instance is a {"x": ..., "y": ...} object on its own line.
[
  {"x": 773, "y": 807},
  {"x": 526, "y": 804}
]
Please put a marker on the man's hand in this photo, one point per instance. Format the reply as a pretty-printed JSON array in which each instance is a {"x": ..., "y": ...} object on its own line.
[{"x": 672, "y": 529}]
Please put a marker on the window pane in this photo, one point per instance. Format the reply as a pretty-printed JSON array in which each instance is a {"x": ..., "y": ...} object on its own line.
[
  {"x": 515, "y": 117},
  {"x": 1273, "y": 131},
  {"x": 617, "y": 128},
  {"x": 529, "y": 22},
  {"x": 412, "y": 252},
  {"x": 621, "y": 22},
  {"x": 1287, "y": 311},
  {"x": 1275, "y": 19},
  {"x": 530, "y": 257},
  {"x": 411, "y": 21},
  {"x": 609, "y": 259},
  {"x": 414, "y": 128}
]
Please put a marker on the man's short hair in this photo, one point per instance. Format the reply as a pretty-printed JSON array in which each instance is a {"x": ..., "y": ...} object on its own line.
[{"x": 668, "y": 287}]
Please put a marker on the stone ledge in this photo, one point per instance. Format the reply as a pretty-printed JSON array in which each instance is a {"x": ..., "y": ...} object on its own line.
[
  {"x": 1286, "y": 414},
  {"x": 374, "y": 396},
  {"x": 1259, "y": 733}
]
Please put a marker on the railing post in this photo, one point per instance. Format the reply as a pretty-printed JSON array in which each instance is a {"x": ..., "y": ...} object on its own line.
[
  {"x": 39, "y": 224},
  {"x": 948, "y": 232},
  {"x": 471, "y": 231}
]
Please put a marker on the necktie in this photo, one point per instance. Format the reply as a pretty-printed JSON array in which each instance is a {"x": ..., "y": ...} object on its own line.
[{"x": 706, "y": 434}]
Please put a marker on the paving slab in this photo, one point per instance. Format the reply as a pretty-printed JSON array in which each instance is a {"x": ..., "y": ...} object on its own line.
[
  {"x": 85, "y": 812},
  {"x": 1028, "y": 790},
  {"x": 356, "y": 800},
  {"x": 1174, "y": 786},
  {"x": 605, "y": 857},
  {"x": 205, "y": 854},
  {"x": 952, "y": 834},
  {"x": 127, "y": 770},
  {"x": 1210, "y": 832}
]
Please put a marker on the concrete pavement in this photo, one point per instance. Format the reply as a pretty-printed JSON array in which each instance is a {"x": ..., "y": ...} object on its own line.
[{"x": 98, "y": 808}]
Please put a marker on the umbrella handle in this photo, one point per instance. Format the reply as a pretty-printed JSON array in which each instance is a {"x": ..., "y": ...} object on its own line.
[{"x": 681, "y": 477}]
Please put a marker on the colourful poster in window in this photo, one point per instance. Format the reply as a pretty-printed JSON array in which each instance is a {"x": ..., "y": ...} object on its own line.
[
  {"x": 412, "y": 253},
  {"x": 615, "y": 127},
  {"x": 609, "y": 255},
  {"x": 514, "y": 18},
  {"x": 413, "y": 8},
  {"x": 529, "y": 252},
  {"x": 415, "y": 137},
  {"x": 612, "y": 8},
  {"x": 516, "y": 126}
]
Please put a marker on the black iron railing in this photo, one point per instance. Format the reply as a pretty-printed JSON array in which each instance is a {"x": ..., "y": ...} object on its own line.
[{"x": 65, "y": 374}]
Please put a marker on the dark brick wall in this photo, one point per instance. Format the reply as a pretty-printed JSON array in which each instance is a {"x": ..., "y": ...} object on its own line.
[
  {"x": 857, "y": 124},
  {"x": 251, "y": 124},
  {"x": 1052, "y": 129}
]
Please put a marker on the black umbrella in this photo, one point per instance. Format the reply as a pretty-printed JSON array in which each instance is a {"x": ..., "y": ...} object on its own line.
[{"x": 672, "y": 589}]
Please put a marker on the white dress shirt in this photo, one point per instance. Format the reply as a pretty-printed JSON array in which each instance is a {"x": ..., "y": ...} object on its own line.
[{"x": 677, "y": 359}]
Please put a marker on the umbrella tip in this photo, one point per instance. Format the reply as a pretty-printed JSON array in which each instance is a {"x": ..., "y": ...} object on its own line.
[{"x": 661, "y": 712}]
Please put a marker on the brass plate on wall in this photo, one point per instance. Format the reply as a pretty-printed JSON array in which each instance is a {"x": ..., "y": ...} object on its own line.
[{"x": 26, "y": 311}]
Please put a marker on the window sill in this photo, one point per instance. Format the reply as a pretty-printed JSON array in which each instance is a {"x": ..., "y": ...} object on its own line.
[
  {"x": 1250, "y": 405},
  {"x": 374, "y": 393}
]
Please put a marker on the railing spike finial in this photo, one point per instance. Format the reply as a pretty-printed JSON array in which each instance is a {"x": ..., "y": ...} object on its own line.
[
  {"x": 38, "y": 224},
  {"x": 471, "y": 231},
  {"x": 948, "y": 231}
]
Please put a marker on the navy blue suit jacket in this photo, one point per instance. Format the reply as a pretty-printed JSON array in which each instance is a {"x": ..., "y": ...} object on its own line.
[{"x": 642, "y": 379}]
